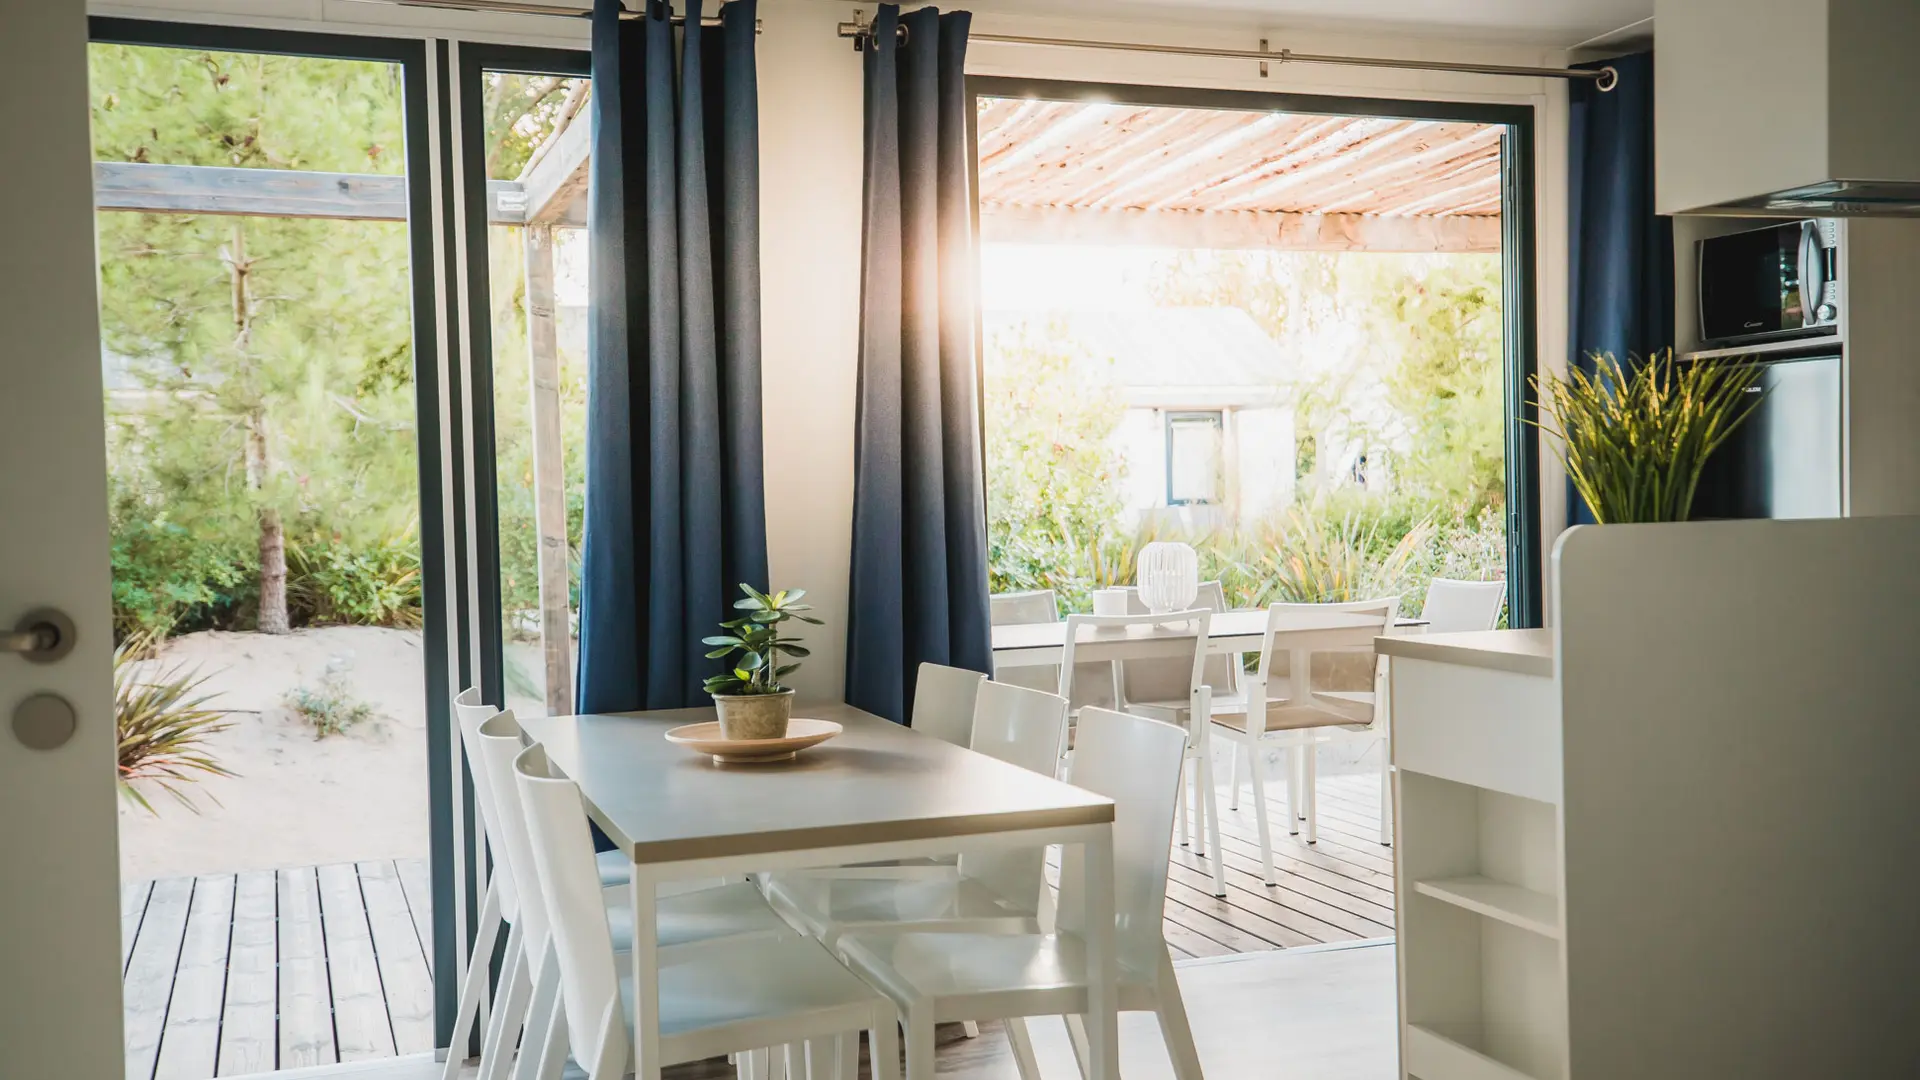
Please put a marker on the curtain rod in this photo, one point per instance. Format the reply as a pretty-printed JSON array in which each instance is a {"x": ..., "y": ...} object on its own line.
[
  {"x": 1605, "y": 78},
  {"x": 512, "y": 7}
]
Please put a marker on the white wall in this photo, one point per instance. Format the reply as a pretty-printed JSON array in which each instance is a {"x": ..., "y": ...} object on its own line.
[{"x": 810, "y": 93}]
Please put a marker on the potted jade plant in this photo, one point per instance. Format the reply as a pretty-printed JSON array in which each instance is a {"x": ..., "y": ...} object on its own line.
[
  {"x": 1634, "y": 441},
  {"x": 751, "y": 701}
]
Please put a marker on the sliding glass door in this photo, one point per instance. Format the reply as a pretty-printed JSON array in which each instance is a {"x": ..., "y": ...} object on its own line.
[{"x": 274, "y": 397}]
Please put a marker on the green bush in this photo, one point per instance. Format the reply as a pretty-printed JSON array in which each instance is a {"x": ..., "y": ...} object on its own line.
[
  {"x": 167, "y": 580},
  {"x": 1335, "y": 548},
  {"x": 331, "y": 582},
  {"x": 329, "y": 706}
]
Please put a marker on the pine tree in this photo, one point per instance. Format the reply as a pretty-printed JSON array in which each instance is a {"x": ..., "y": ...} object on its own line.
[{"x": 272, "y": 355}]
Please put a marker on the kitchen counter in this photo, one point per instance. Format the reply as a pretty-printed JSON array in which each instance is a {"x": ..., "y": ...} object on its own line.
[{"x": 1523, "y": 652}]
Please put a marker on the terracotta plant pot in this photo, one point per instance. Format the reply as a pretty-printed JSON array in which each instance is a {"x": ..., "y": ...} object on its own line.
[{"x": 754, "y": 716}]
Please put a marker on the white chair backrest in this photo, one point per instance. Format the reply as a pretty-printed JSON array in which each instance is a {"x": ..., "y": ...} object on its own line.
[
  {"x": 500, "y": 742},
  {"x": 943, "y": 702},
  {"x": 1020, "y": 608},
  {"x": 570, "y": 886},
  {"x": 1158, "y": 680},
  {"x": 1136, "y": 762},
  {"x": 1019, "y": 726},
  {"x": 471, "y": 713},
  {"x": 1281, "y": 616},
  {"x": 1455, "y": 606},
  {"x": 1027, "y": 728},
  {"x": 1178, "y": 638}
]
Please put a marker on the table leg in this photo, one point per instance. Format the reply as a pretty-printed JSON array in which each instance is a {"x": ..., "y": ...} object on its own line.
[
  {"x": 646, "y": 977},
  {"x": 1103, "y": 991}
]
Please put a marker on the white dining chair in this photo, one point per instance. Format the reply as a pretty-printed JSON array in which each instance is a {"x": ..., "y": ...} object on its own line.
[
  {"x": 939, "y": 977},
  {"x": 1292, "y": 716},
  {"x": 1022, "y": 609},
  {"x": 1455, "y": 606},
  {"x": 469, "y": 713},
  {"x": 732, "y": 997},
  {"x": 997, "y": 891},
  {"x": 1158, "y": 688},
  {"x": 943, "y": 702},
  {"x": 500, "y": 900},
  {"x": 1093, "y": 683},
  {"x": 525, "y": 995},
  {"x": 1176, "y": 640}
]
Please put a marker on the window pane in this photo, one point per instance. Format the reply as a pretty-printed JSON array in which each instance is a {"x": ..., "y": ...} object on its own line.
[
  {"x": 537, "y": 283},
  {"x": 1193, "y": 458}
]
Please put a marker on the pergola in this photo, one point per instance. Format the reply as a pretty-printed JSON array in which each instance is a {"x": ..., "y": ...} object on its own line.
[{"x": 1103, "y": 173}]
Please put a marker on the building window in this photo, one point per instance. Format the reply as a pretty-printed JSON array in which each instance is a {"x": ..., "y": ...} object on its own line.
[{"x": 1193, "y": 458}]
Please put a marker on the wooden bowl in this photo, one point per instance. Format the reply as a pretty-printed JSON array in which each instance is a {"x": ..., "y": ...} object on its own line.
[{"x": 705, "y": 739}]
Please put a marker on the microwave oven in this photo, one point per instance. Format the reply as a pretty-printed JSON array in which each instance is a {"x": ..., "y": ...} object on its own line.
[{"x": 1763, "y": 284}]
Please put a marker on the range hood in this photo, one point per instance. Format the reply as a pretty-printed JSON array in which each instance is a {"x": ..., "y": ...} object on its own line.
[{"x": 1787, "y": 108}]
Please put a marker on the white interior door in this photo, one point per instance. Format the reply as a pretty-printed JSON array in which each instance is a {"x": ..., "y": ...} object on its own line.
[{"x": 59, "y": 924}]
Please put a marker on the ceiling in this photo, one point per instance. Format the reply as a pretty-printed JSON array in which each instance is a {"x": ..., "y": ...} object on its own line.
[{"x": 1561, "y": 23}]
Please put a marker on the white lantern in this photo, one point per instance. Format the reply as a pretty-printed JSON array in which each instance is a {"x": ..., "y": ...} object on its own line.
[{"x": 1168, "y": 577}]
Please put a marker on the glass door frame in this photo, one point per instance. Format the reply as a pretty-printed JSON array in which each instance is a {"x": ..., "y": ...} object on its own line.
[
  {"x": 1520, "y": 337},
  {"x": 473, "y": 61},
  {"x": 444, "y": 525}
]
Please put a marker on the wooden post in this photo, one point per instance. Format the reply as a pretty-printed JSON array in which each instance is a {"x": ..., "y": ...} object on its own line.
[{"x": 549, "y": 473}]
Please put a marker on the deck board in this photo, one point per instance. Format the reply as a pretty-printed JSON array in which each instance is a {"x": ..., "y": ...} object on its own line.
[
  {"x": 418, "y": 886},
  {"x": 360, "y": 1024},
  {"x": 133, "y": 905},
  {"x": 404, "y": 979},
  {"x": 249, "y": 1038},
  {"x": 149, "y": 981},
  {"x": 190, "y": 1042},
  {"x": 306, "y": 994}
]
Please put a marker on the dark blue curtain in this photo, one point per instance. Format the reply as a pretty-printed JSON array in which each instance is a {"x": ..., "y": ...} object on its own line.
[
  {"x": 1620, "y": 252},
  {"x": 675, "y": 514},
  {"x": 919, "y": 573}
]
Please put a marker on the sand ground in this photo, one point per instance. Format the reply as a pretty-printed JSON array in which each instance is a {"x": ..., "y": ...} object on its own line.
[
  {"x": 302, "y": 801},
  {"x": 297, "y": 800}
]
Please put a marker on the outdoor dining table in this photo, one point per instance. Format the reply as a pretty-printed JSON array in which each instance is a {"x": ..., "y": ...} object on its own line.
[
  {"x": 1041, "y": 644},
  {"x": 877, "y": 791}
]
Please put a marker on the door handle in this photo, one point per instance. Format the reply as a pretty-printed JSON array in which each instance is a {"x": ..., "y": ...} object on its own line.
[{"x": 42, "y": 636}]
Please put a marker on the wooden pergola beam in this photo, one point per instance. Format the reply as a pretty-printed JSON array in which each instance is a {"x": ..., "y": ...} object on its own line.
[
  {"x": 215, "y": 189},
  {"x": 1239, "y": 229},
  {"x": 556, "y": 185}
]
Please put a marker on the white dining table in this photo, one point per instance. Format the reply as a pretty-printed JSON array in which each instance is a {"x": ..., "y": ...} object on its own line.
[
  {"x": 877, "y": 791},
  {"x": 1041, "y": 644}
]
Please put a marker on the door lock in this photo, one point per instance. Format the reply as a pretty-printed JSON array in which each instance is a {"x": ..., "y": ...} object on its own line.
[{"x": 41, "y": 636}]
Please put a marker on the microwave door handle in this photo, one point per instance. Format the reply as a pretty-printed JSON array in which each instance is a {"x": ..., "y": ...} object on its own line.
[{"x": 1812, "y": 273}]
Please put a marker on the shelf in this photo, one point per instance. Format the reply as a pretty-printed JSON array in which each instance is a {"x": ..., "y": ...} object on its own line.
[
  {"x": 1511, "y": 904},
  {"x": 1433, "y": 1056},
  {"x": 1811, "y": 345}
]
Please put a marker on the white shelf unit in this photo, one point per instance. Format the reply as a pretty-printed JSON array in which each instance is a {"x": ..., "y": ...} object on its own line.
[
  {"x": 1670, "y": 838},
  {"x": 1483, "y": 988}
]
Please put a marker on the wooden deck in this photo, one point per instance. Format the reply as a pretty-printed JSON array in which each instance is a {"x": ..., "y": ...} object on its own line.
[
  {"x": 1339, "y": 889},
  {"x": 244, "y": 973},
  {"x": 229, "y": 974}
]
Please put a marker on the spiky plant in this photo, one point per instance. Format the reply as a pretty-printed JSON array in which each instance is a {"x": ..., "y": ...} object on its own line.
[
  {"x": 1635, "y": 442},
  {"x": 1314, "y": 559},
  {"x": 164, "y": 724}
]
